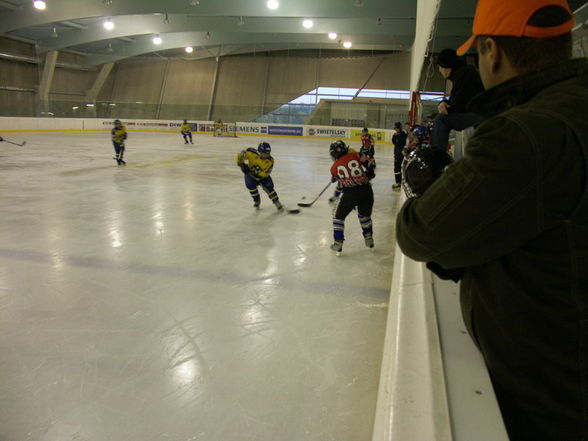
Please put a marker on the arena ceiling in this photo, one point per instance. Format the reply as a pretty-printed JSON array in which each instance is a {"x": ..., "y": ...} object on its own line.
[{"x": 226, "y": 27}]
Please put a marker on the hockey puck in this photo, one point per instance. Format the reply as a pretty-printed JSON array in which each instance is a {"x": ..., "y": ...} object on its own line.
[{"x": 303, "y": 197}]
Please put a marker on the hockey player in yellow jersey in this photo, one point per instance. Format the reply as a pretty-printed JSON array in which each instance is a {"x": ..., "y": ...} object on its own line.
[
  {"x": 218, "y": 128},
  {"x": 186, "y": 132},
  {"x": 119, "y": 134},
  {"x": 257, "y": 166}
]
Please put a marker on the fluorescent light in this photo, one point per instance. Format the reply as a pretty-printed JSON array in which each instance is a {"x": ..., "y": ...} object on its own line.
[
  {"x": 273, "y": 4},
  {"x": 39, "y": 4},
  {"x": 89, "y": 105},
  {"x": 189, "y": 49},
  {"x": 157, "y": 39},
  {"x": 347, "y": 44},
  {"x": 108, "y": 24},
  {"x": 332, "y": 35},
  {"x": 75, "y": 108},
  {"x": 308, "y": 23}
]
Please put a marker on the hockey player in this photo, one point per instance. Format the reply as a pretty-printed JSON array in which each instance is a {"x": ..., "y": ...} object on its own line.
[
  {"x": 218, "y": 128},
  {"x": 338, "y": 189},
  {"x": 353, "y": 173},
  {"x": 367, "y": 143},
  {"x": 186, "y": 132},
  {"x": 399, "y": 141},
  {"x": 119, "y": 134},
  {"x": 257, "y": 166}
]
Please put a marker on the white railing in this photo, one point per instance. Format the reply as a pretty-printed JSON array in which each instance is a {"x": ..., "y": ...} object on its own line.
[{"x": 434, "y": 385}]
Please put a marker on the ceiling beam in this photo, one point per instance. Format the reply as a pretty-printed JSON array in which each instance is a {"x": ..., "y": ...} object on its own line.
[
  {"x": 133, "y": 25},
  {"x": 145, "y": 45},
  {"x": 66, "y": 10}
]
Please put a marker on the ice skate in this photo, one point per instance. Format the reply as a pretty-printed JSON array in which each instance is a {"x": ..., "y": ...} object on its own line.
[
  {"x": 369, "y": 240},
  {"x": 256, "y": 204},
  {"x": 395, "y": 186},
  {"x": 117, "y": 161},
  {"x": 121, "y": 162},
  {"x": 278, "y": 205},
  {"x": 337, "y": 247}
]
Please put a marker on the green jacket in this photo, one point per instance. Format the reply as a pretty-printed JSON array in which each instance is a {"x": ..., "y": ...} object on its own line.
[{"x": 514, "y": 214}]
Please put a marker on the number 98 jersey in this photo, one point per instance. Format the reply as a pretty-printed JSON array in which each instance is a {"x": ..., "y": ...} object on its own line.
[{"x": 351, "y": 170}]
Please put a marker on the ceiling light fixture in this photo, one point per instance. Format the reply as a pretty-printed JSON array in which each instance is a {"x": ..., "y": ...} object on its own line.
[
  {"x": 39, "y": 4},
  {"x": 347, "y": 44},
  {"x": 189, "y": 49},
  {"x": 108, "y": 24},
  {"x": 308, "y": 23},
  {"x": 273, "y": 4},
  {"x": 332, "y": 35},
  {"x": 157, "y": 39}
]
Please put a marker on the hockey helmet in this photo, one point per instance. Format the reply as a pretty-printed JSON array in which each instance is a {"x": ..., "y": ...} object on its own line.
[
  {"x": 264, "y": 147},
  {"x": 365, "y": 130},
  {"x": 117, "y": 123},
  {"x": 338, "y": 149},
  {"x": 420, "y": 132}
]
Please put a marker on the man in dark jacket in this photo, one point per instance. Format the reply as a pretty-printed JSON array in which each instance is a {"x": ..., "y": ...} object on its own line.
[
  {"x": 511, "y": 218},
  {"x": 453, "y": 112}
]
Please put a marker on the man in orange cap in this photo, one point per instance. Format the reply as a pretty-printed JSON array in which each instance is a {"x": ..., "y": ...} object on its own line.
[{"x": 510, "y": 219}]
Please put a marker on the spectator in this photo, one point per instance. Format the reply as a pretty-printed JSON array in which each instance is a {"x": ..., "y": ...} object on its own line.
[
  {"x": 453, "y": 113},
  {"x": 511, "y": 219}
]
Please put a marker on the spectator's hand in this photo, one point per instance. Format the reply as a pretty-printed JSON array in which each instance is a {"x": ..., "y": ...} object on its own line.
[
  {"x": 423, "y": 167},
  {"x": 445, "y": 274},
  {"x": 443, "y": 108}
]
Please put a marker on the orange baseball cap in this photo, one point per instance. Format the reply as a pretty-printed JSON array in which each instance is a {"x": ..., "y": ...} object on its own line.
[{"x": 508, "y": 18}]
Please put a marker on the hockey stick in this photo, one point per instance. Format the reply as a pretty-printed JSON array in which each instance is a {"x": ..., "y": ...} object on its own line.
[
  {"x": 15, "y": 143},
  {"x": 300, "y": 204}
]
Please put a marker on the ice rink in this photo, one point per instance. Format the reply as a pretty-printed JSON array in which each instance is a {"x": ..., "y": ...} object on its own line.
[{"x": 153, "y": 303}]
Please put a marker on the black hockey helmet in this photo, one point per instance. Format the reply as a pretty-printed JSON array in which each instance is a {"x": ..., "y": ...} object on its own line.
[
  {"x": 338, "y": 149},
  {"x": 117, "y": 123},
  {"x": 264, "y": 147}
]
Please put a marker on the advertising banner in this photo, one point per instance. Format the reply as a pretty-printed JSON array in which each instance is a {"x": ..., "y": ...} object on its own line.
[
  {"x": 327, "y": 132},
  {"x": 285, "y": 130}
]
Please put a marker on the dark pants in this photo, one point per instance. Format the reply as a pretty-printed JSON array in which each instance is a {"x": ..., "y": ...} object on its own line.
[
  {"x": 398, "y": 158},
  {"x": 119, "y": 149},
  {"x": 454, "y": 121},
  {"x": 266, "y": 183},
  {"x": 187, "y": 136},
  {"x": 361, "y": 197}
]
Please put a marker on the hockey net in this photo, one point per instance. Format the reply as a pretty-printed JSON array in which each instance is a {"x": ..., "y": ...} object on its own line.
[{"x": 225, "y": 129}]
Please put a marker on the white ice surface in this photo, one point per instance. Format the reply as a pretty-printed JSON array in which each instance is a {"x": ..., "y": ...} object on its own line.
[{"x": 152, "y": 302}]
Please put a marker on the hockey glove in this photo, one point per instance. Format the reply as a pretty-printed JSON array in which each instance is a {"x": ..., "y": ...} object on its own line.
[
  {"x": 244, "y": 168},
  {"x": 423, "y": 167}
]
